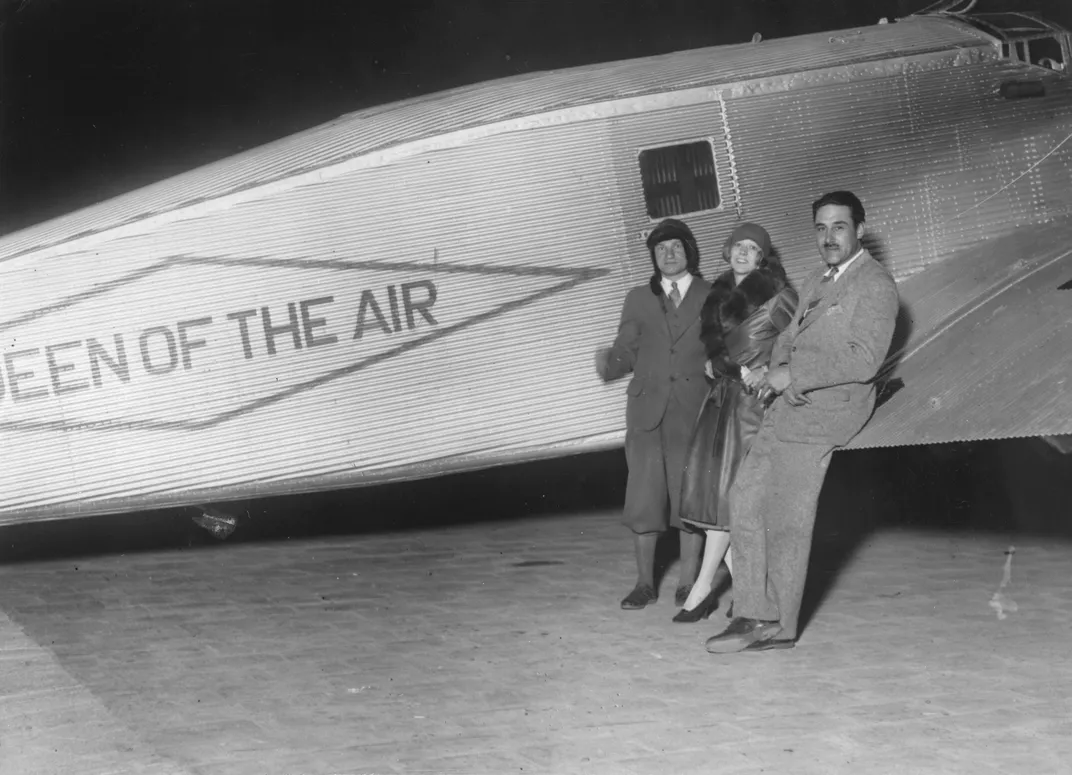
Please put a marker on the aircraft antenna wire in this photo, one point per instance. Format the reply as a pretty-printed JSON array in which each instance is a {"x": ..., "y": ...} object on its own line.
[{"x": 1012, "y": 182}]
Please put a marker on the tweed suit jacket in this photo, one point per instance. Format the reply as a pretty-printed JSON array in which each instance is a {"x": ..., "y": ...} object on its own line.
[
  {"x": 834, "y": 352},
  {"x": 661, "y": 346}
]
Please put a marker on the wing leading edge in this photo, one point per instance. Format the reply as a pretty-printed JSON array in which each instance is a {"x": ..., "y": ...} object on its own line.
[{"x": 984, "y": 347}]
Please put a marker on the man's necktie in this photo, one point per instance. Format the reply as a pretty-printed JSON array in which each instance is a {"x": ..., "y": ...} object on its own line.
[
  {"x": 828, "y": 275},
  {"x": 675, "y": 295}
]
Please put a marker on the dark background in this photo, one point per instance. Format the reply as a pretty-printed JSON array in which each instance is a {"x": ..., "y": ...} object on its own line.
[{"x": 102, "y": 96}]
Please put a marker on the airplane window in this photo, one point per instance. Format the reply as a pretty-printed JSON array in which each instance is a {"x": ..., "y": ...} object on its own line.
[
  {"x": 1046, "y": 52},
  {"x": 1041, "y": 52},
  {"x": 679, "y": 179}
]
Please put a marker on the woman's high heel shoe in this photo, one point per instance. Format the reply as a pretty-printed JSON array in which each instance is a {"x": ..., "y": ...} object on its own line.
[{"x": 701, "y": 611}]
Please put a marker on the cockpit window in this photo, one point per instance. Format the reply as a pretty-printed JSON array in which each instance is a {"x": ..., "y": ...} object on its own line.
[
  {"x": 1042, "y": 52},
  {"x": 1027, "y": 38},
  {"x": 679, "y": 179}
]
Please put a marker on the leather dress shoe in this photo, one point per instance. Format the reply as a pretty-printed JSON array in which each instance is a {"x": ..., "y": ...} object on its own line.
[
  {"x": 771, "y": 643},
  {"x": 682, "y": 594},
  {"x": 641, "y": 595},
  {"x": 702, "y": 610},
  {"x": 741, "y": 634}
]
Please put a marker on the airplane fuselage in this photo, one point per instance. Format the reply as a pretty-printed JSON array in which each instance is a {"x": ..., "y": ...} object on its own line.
[{"x": 420, "y": 288}]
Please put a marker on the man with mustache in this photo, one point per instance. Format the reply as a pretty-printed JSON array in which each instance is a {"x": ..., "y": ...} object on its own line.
[{"x": 822, "y": 371}]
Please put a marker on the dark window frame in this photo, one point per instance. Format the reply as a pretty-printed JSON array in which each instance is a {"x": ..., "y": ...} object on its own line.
[{"x": 675, "y": 182}]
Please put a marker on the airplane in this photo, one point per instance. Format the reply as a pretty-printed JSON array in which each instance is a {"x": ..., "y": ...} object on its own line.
[{"x": 420, "y": 287}]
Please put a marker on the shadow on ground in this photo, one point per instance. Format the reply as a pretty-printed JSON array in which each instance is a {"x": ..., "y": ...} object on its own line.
[
  {"x": 591, "y": 482},
  {"x": 1014, "y": 487},
  {"x": 1020, "y": 486}
]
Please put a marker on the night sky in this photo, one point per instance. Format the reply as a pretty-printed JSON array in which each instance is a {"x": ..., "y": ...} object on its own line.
[{"x": 102, "y": 96}]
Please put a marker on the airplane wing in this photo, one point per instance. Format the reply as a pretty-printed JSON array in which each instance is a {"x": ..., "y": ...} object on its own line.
[{"x": 984, "y": 348}]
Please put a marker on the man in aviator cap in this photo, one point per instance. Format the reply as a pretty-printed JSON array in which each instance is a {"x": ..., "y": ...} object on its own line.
[{"x": 659, "y": 342}]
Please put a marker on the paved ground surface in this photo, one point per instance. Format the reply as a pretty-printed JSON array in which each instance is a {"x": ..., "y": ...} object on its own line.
[{"x": 498, "y": 647}]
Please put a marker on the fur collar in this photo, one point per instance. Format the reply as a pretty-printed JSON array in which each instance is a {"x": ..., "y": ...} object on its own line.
[{"x": 728, "y": 305}]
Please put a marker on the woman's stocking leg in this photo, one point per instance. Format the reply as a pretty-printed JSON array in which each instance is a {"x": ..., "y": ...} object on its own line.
[{"x": 715, "y": 548}]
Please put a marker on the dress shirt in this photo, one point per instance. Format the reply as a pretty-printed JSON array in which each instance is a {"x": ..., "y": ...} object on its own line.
[
  {"x": 840, "y": 268},
  {"x": 682, "y": 285}
]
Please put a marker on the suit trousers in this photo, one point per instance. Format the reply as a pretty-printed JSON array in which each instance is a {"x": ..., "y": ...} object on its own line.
[
  {"x": 774, "y": 500},
  {"x": 656, "y": 461}
]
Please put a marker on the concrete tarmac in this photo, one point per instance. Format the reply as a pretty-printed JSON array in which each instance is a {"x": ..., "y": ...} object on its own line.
[{"x": 498, "y": 646}]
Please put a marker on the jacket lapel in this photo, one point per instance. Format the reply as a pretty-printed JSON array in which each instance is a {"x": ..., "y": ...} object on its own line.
[
  {"x": 833, "y": 294},
  {"x": 690, "y": 308},
  {"x": 664, "y": 305},
  {"x": 806, "y": 296}
]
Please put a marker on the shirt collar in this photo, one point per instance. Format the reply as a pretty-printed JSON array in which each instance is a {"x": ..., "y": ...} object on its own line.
[
  {"x": 682, "y": 284},
  {"x": 840, "y": 268}
]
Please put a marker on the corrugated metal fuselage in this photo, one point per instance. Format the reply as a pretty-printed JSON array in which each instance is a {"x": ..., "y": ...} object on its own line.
[{"x": 436, "y": 306}]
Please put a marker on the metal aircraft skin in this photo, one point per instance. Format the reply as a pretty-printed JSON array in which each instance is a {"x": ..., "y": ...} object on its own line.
[{"x": 420, "y": 287}]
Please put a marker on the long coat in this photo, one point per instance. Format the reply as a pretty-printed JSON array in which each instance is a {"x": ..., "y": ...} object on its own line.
[
  {"x": 740, "y": 323},
  {"x": 660, "y": 345}
]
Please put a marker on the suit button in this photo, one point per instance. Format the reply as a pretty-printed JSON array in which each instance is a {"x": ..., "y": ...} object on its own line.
[
  {"x": 673, "y": 351},
  {"x": 673, "y": 378}
]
